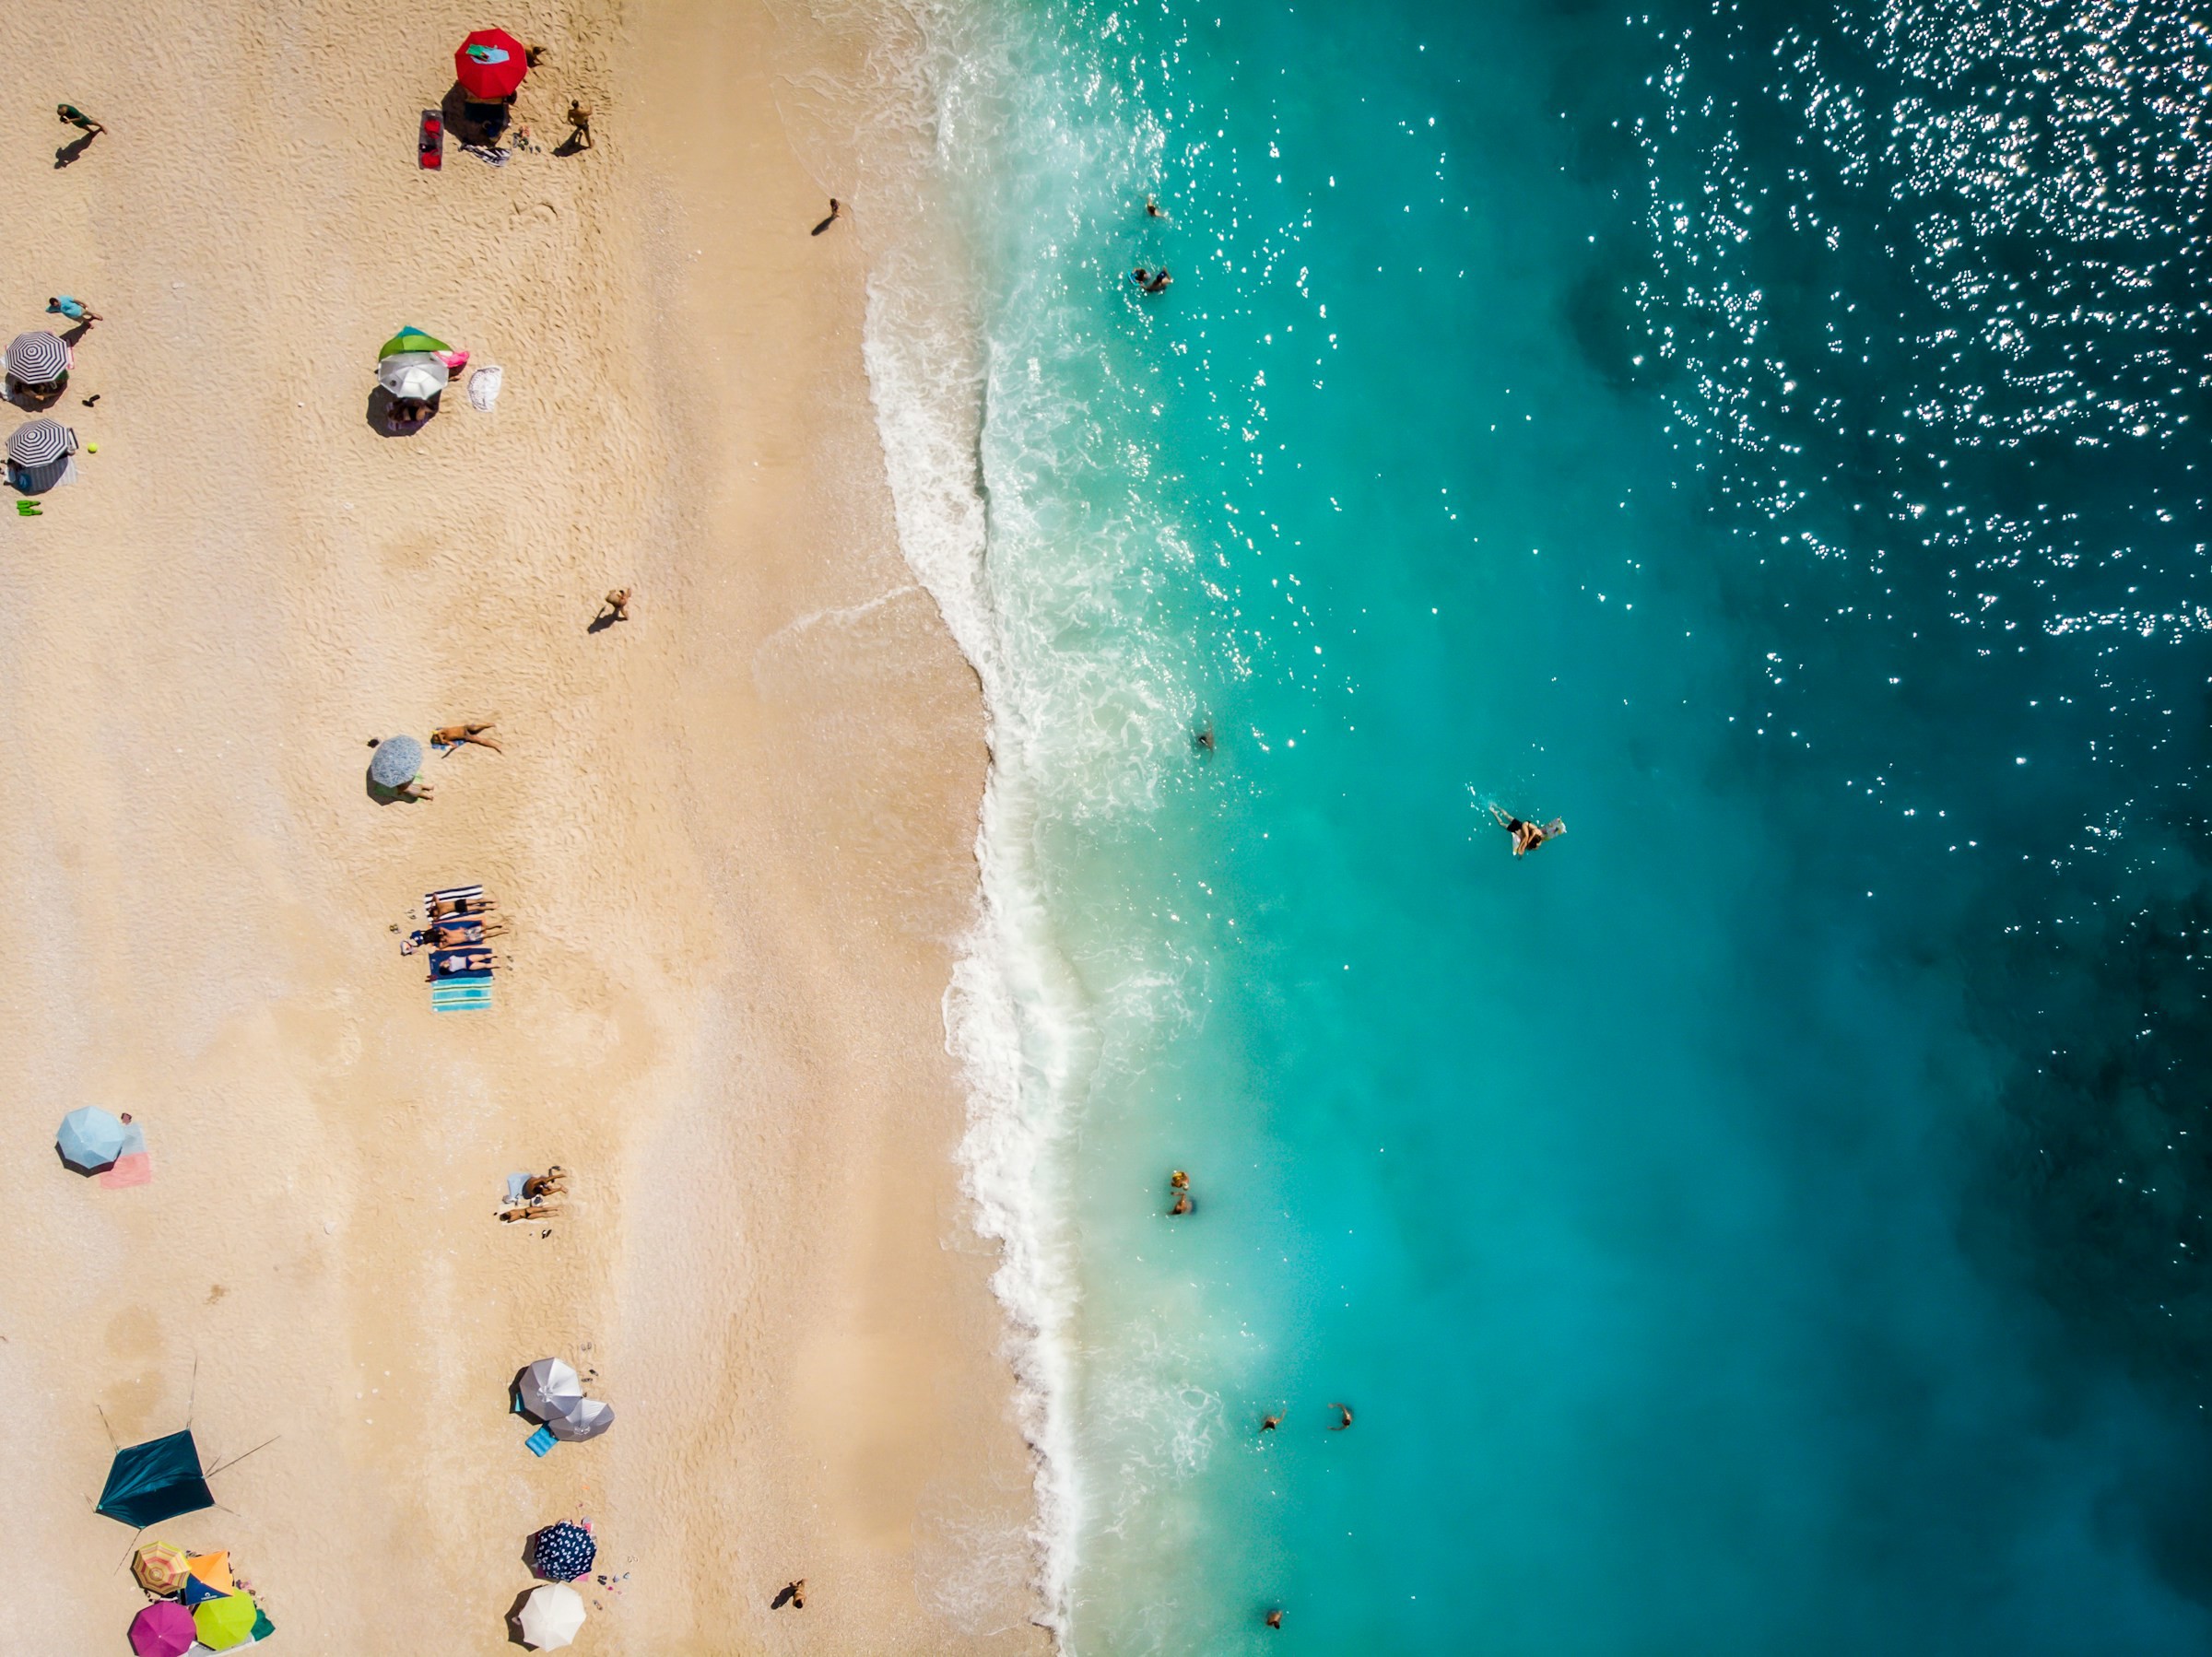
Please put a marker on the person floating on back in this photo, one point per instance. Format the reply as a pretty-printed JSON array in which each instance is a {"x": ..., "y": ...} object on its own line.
[
  {"x": 73, "y": 116},
  {"x": 75, "y": 310},
  {"x": 1527, "y": 837},
  {"x": 837, "y": 211}
]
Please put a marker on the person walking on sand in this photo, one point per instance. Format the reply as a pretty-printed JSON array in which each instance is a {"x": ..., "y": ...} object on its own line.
[
  {"x": 1344, "y": 1416},
  {"x": 837, "y": 211},
  {"x": 73, "y": 116},
  {"x": 452, "y": 736},
  {"x": 580, "y": 125},
  {"x": 615, "y": 606},
  {"x": 75, "y": 310},
  {"x": 1527, "y": 837},
  {"x": 794, "y": 1594}
]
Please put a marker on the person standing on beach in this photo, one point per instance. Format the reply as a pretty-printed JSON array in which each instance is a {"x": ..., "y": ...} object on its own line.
[
  {"x": 73, "y": 116},
  {"x": 837, "y": 211},
  {"x": 580, "y": 125},
  {"x": 1527, "y": 837},
  {"x": 75, "y": 310},
  {"x": 615, "y": 605}
]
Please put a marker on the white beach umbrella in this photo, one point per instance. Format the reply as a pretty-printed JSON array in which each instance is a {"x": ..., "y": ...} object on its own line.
[
  {"x": 586, "y": 1418},
  {"x": 549, "y": 1389},
  {"x": 416, "y": 376},
  {"x": 551, "y": 1616}
]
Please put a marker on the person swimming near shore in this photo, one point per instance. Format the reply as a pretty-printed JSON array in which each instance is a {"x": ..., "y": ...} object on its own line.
[
  {"x": 1344, "y": 1416},
  {"x": 1178, "y": 1181},
  {"x": 1183, "y": 1203},
  {"x": 1269, "y": 1423},
  {"x": 1275, "y": 1620},
  {"x": 1152, "y": 209},
  {"x": 1151, "y": 281},
  {"x": 1527, "y": 837},
  {"x": 1203, "y": 739}
]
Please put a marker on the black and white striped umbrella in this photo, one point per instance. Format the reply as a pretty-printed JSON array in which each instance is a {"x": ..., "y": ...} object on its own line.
[
  {"x": 37, "y": 359},
  {"x": 40, "y": 442},
  {"x": 562, "y": 1552}
]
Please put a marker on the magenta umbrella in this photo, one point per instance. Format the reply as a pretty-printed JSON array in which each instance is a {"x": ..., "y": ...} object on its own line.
[{"x": 163, "y": 1629}]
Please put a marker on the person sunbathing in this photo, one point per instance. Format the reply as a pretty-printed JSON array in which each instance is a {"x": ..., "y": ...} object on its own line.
[
  {"x": 463, "y": 960},
  {"x": 461, "y": 906},
  {"x": 452, "y": 736},
  {"x": 547, "y": 1184},
  {"x": 459, "y": 935},
  {"x": 510, "y": 1216}
]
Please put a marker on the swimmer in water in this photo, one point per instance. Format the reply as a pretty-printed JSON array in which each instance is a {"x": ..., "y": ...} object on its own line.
[
  {"x": 1527, "y": 837},
  {"x": 1344, "y": 1414}
]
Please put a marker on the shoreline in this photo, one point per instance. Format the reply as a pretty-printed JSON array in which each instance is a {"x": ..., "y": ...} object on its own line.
[{"x": 735, "y": 836}]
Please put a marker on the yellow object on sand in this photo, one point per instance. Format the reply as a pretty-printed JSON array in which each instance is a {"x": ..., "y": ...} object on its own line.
[
  {"x": 160, "y": 1566},
  {"x": 91, "y": 448},
  {"x": 215, "y": 1571}
]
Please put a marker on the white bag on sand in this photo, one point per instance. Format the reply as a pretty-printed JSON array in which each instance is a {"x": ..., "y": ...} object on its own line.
[{"x": 484, "y": 388}]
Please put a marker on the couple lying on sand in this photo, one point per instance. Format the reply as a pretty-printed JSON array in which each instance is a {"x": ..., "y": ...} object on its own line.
[{"x": 536, "y": 1190}]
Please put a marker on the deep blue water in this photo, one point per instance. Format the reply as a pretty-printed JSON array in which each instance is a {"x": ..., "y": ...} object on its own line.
[{"x": 1770, "y": 1217}]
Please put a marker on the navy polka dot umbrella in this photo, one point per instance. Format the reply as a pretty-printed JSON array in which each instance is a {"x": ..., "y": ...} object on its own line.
[{"x": 563, "y": 1552}]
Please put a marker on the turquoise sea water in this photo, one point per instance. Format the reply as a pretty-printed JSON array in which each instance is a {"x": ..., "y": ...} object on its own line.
[{"x": 1769, "y": 1218}]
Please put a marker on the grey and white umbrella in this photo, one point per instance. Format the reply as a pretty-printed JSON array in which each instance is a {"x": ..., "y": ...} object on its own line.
[
  {"x": 40, "y": 442},
  {"x": 550, "y": 1391},
  {"x": 396, "y": 760},
  {"x": 37, "y": 359},
  {"x": 585, "y": 1418},
  {"x": 416, "y": 376}
]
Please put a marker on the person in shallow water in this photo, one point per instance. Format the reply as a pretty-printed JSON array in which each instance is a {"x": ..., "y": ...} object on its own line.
[
  {"x": 1269, "y": 1423},
  {"x": 1527, "y": 837},
  {"x": 1275, "y": 1620},
  {"x": 1150, "y": 281},
  {"x": 1344, "y": 1416}
]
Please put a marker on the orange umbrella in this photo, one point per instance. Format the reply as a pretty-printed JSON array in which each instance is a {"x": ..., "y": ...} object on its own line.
[
  {"x": 160, "y": 1566},
  {"x": 215, "y": 1571}
]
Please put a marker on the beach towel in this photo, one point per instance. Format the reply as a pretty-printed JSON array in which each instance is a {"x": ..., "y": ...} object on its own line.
[
  {"x": 514, "y": 1188},
  {"x": 461, "y": 994},
  {"x": 538, "y": 1442},
  {"x": 484, "y": 387},
  {"x": 451, "y": 894},
  {"x": 133, "y": 1167}
]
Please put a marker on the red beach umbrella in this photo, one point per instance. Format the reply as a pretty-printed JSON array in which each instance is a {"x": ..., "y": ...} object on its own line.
[{"x": 490, "y": 65}]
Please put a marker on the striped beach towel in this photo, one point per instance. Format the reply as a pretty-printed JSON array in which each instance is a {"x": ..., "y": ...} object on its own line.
[{"x": 471, "y": 994}]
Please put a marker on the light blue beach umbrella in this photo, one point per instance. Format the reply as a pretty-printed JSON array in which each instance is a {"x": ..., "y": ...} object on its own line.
[
  {"x": 397, "y": 760},
  {"x": 91, "y": 1139}
]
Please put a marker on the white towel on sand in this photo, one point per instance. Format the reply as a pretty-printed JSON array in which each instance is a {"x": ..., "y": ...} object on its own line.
[{"x": 484, "y": 388}]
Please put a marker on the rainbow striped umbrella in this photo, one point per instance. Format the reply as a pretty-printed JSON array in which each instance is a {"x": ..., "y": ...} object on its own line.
[{"x": 160, "y": 1566}]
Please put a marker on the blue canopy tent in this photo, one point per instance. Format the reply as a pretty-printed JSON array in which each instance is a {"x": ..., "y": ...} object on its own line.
[{"x": 157, "y": 1480}]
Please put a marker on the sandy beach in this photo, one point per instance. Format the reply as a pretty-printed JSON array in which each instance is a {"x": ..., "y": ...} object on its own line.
[{"x": 732, "y": 837}]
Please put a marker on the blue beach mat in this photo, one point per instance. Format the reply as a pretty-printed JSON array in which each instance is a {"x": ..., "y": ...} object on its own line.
[
  {"x": 538, "y": 1442},
  {"x": 471, "y": 993}
]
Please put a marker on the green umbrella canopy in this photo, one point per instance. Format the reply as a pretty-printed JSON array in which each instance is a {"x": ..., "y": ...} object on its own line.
[
  {"x": 410, "y": 339},
  {"x": 225, "y": 1622}
]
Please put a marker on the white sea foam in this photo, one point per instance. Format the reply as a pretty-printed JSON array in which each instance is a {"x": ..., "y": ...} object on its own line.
[{"x": 1012, "y": 1017}]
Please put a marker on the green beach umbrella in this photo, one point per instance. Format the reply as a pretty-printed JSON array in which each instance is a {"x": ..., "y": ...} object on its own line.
[
  {"x": 410, "y": 339},
  {"x": 224, "y": 1623}
]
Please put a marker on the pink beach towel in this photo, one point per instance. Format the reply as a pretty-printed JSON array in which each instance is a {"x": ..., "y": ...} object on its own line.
[{"x": 136, "y": 1168}]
